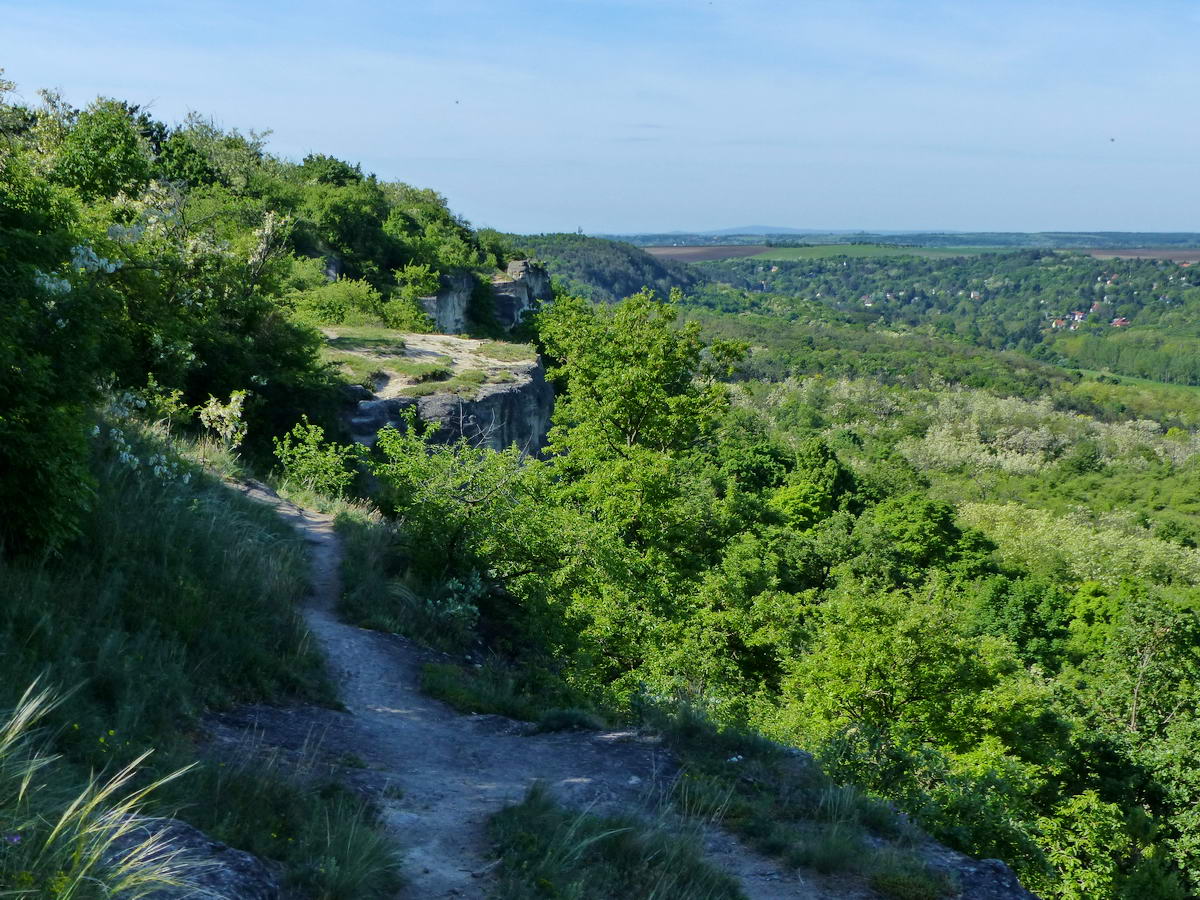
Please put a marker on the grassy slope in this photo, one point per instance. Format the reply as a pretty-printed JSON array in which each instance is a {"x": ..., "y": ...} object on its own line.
[
  {"x": 545, "y": 850},
  {"x": 178, "y": 597}
]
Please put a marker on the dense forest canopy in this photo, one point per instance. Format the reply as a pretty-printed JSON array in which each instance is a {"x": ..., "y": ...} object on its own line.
[{"x": 1135, "y": 317}]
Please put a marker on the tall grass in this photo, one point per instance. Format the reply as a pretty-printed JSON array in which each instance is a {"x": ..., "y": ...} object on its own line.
[
  {"x": 176, "y": 597},
  {"x": 290, "y": 809},
  {"x": 380, "y": 593},
  {"x": 786, "y": 807},
  {"x": 545, "y": 850},
  {"x": 88, "y": 845},
  {"x": 179, "y": 597}
]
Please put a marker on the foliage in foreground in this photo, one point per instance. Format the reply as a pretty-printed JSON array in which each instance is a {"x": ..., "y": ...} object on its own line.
[
  {"x": 55, "y": 845},
  {"x": 547, "y": 851},
  {"x": 805, "y": 582},
  {"x": 178, "y": 597},
  {"x": 133, "y": 248}
]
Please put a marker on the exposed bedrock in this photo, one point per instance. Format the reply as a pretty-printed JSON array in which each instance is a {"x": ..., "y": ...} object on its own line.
[
  {"x": 525, "y": 286},
  {"x": 497, "y": 415},
  {"x": 514, "y": 294},
  {"x": 448, "y": 308}
]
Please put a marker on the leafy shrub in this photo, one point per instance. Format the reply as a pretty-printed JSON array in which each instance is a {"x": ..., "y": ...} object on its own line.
[
  {"x": 308, "y": 460},
  {"x": 406, "y": 314},
  {"x": 346, "y": 301},
  {"x": 404, "y": 310},
  {"x": 226, "y": 420}
]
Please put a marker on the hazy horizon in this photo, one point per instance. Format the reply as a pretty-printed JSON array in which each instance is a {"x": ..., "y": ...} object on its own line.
[{"x": 624, "y": 117}]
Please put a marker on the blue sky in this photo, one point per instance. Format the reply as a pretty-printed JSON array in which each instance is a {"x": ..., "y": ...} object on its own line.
[{"x": 681, "y": 114}]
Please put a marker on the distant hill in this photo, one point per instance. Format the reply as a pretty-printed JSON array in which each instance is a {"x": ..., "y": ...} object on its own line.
[
  {"x": 601, "y": 269},
  {"x": 1051, "y": 240},
  {"x": 755, "y": 229}
]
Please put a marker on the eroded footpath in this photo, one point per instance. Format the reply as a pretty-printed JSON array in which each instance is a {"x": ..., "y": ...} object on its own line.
[{"x": 437, "y": 774}]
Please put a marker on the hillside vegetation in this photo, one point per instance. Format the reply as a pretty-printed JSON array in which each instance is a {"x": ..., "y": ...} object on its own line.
[
  {"x": 1135, "y": 317},
  {"x": 604, "y": 270},
  {"x": 159, "y": 291},
  {"x": 773, "y": 524}
]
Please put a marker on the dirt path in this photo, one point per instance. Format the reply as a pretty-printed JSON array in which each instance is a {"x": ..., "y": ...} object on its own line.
[{"x": 438, "y": 774}]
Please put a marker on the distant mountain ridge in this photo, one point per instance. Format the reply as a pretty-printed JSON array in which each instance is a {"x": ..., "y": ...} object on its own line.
[
  {"x": 1051, "y": 240},
  {"x": 759, "y": 229}
]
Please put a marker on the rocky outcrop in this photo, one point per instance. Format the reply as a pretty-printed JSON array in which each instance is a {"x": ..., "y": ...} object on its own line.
[
  {"x": 448, "y": 308},
  {"x": 977, "y": 879},
  {"x": 514, "y": 294},
  {"x": 495, "y": 415},
  {"x": 334, "y": 267},
  {"x": 526, "y": 285},
  {"x": 211, "y": 869},
  {"x": 498, "y": 416}
]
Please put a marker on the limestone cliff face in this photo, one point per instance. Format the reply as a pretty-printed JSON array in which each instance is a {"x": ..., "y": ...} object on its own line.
[
  {"x": 525, "y": 286},
  {"x": 498, "y": 416},
  {"x": 514, "y": 294},
  {"x": 448, "y": 308},
  {"x": 490, "y": 402}
]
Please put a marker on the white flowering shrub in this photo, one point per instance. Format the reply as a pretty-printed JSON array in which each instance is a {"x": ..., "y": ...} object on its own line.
[
  {"x": 457, "y": 606},
  {"x": 975, "y": 430},
  {"x": 55, "y": 285},
  {"x": 1078, "y": 549},
  {"x": 225, "y": 420},
  {"x": 85, "y": 259},
  {"x": 125, "y": 449}
]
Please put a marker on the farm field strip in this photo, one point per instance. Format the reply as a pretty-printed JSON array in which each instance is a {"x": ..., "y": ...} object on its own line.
[
  {"x": 825, "y": 251},
  {"x": 706, "y": 253}
]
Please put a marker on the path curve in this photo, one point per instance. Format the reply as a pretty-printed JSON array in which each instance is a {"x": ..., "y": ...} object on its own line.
[{"x": 437, "y": 774}]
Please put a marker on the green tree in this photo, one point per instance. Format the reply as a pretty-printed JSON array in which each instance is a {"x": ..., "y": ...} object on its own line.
[
  {"x": 815, "y": 487},
  {"x": 895, "y": 664},
  {"x": 905, "y": 537},
  {"x": 51, "y": 335},
  {"x": 633, "y": 379},
  {"x": 103, "y": 154}
]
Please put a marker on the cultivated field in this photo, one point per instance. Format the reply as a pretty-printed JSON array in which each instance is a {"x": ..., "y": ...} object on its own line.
[
  {"x": 701, "y": 254},
  {"x": 1190, "y": 256},
  {"x": 825, "y": 251},
  {"x": 821, "y": 251}
]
